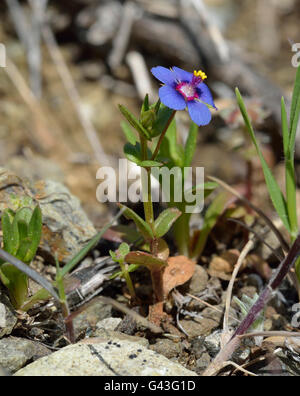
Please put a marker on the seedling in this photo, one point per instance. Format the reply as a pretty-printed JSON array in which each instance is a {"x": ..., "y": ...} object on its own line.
[{"x": 22, "y": 232}]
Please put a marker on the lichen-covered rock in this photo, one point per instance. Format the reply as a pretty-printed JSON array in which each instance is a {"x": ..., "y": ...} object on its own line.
[
  {"x": 66, "y": 228},
  {"x": 117, "y": 336},
  {"x": 105, "y": 359}
]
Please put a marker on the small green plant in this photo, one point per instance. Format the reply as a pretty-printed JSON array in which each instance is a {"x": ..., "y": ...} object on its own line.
[
  {"x": 22, "y": 232},
  {"x": 156, "y": 145},
  {"x": 120, "y": 257},
  {"x": 283, "y": 202}
]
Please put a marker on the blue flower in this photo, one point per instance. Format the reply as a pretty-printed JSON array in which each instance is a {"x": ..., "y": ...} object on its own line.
[{"x": 182, "y": 89}]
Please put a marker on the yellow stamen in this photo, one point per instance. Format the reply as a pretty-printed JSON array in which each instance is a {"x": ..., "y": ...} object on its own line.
[{"x": 200, "y": 74}]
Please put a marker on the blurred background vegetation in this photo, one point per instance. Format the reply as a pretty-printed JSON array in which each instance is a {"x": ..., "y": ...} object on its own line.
[{"x": 69, "y": 63}]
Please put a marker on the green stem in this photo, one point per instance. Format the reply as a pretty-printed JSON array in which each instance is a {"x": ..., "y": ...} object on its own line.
[
  {"x": 128, "y": 281},
  {"x": 163, "y": 135},
  {"x": 146, "y": 186},
  {"x": 65, "y": 309}
]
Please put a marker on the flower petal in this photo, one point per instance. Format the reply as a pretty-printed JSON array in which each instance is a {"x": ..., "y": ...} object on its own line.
[
  {"x": 171, "y": 98},
  {"x": 182, "y": 75},
  {"x": 205, "y": 95},
  {"x": 164, "y": 75},
  {"x": 199, "y": 113}
]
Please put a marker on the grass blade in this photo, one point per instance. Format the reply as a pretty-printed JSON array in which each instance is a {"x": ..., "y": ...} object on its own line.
[
  {"x": 191, "y": 145},
  {"x": 289, "y": 173},
  {"x": 275, "y": 193}
]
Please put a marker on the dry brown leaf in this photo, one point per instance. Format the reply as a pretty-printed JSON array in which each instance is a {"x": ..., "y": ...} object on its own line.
[{"x": 180, "y": 269}]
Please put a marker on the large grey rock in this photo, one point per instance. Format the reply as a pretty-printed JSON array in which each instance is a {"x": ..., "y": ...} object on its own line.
[
  {"x": 16, "y": 352},
  {"x": 105, "y": 359}
]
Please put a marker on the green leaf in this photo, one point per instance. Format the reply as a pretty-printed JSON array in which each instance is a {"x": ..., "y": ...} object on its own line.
[
  {"x": 23, "y": 250},
  {"x": 41, "y": 295},
  {"x": 289, "y": 141},
  {"x": 191, "y": 145},
  {"x": 145, "y": 106},
  {"x": 22, "y": 230},
  {"x": 145, "y": 259},
  {"x": 273, "y": 188},
  {"x": 163, "y": 117},
  {"x": 16, "y": 282},
  {"x": 165, "y": 221},
  {"x": 119, "y": 255},
  {"x": 157, "y": 106},
  {"x": 24, "y": 268},
  {"x": 35, "y": 233},
  {"x": 114, "y": 256},
  {"x": 143, "y": 227},
  {"x": 131, "y": 268},
  {"x": 10, "y": 245},
  {"x": 134, "y": 153},
  {"x": 22, "y": 216},
  {"x": 285, "y": 129},
  {"x": 133, "y": 121},
  {"x": 123, "y": 250},
  {"x": 214, "y": 211},
  {"x": 128, "y": 132}
]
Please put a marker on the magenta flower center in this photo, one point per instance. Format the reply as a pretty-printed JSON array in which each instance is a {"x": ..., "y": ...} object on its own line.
[{"x": 188, "y": 90}]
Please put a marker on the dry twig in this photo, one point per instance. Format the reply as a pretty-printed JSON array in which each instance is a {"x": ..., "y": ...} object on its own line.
[{"x": 249, "y": 246}]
